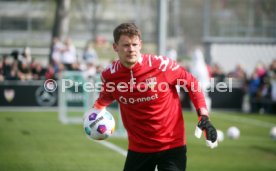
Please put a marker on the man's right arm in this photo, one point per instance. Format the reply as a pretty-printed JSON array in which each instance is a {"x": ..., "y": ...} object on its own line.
[{"x": 105, "y": 98}]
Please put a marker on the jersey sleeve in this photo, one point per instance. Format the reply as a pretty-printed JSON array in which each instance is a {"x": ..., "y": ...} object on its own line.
[
  {"x": 105, "y": 97},
  {"x": 177, "y": 75}
]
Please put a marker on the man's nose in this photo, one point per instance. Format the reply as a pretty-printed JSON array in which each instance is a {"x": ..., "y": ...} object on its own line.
[{"x": 131, "y": 48}]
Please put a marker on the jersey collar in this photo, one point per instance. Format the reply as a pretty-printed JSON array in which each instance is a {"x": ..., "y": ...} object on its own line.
[{"x": 136, "y": 66}]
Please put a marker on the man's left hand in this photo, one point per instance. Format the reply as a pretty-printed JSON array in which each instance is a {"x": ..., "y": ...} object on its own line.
[{"x": 209, "y": 130}]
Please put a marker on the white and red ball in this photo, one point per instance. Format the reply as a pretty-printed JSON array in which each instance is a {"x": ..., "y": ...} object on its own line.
[
  {"x": 98, "y": 125},
  {"x": 273, "y": 132},
  {"x": 233, "y": 132}
]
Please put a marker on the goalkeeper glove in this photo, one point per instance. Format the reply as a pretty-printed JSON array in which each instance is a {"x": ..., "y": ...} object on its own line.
[{"x": 209, "y": 130}]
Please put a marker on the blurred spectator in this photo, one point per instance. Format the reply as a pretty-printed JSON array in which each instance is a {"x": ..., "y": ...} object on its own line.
[
  {"x": 218, "y": 73},
  {"x": 50, "y": 73},
  {"x": 38, "y": 71},
  {"x": 15, "y": 55},
  {"x": 90, "y": 54},
  {"x": 56, "y": 56},
  {"x": 26, "y": 56},
  {"x": 24, "y": 62},
  {"x": 90, "y": 70},
  {"x": 259, "y": 89},
  {"x": 69, "y": 56},
  {"x": 253, "y": 90},
  {"x": 238, "y": 73},
  {"x": 6, "y": 67},
  {"x": 13, "y": 74},
  {"x": 24, "y": 72},
  {"x": 56, "y": 51},
  {"x": 260, "y": 69}
]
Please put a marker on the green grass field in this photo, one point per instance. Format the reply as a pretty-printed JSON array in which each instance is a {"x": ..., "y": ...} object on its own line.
[{"x": 38, "y": 141}]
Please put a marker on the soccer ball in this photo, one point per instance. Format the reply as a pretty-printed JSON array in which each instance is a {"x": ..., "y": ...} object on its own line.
[
  {"x": 233, "y": 132},
  {"x": 220, "y": 135},
  {"x": 98, "y": 125},
  {"x": 273, "y": 132}
]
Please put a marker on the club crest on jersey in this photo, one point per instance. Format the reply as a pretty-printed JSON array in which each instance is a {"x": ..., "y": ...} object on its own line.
[{"x": 151, "y": 82}]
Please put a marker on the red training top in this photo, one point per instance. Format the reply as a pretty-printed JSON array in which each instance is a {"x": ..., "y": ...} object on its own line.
[{"x": 149, "y": 102}]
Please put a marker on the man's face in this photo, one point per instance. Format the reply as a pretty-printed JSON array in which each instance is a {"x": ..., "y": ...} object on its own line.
[{"x": 128, "y": 49}]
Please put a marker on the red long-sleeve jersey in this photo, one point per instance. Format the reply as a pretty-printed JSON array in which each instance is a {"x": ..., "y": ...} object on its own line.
[{"x": 149, "y": 102}]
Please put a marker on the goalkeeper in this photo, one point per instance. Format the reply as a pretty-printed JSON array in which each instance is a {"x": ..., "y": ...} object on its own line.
[{"x": 144, "y": 87}]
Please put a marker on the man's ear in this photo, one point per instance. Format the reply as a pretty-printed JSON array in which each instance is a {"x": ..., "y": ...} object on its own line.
[{"x": 115, "y": 47}]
